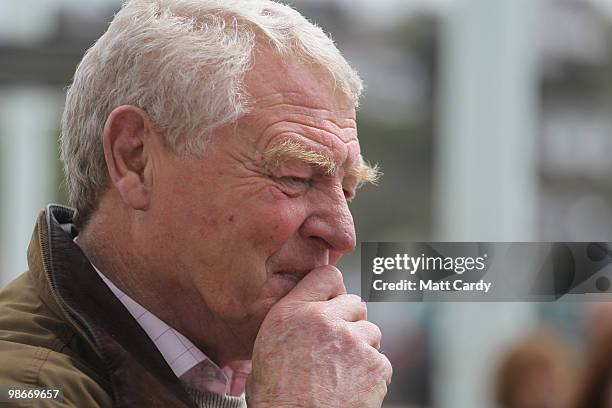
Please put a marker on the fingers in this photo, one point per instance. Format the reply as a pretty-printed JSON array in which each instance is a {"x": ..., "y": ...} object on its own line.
[
  {"x": 325, "y": 284},
  {"x": 370, "y": 334},
  {"x": 381, "y": 368},
  {"x": 320, "y": 284},
  {"x": 387, "y": 369},
  {"x": 348, "y": 307},
  {"x": 367, "y": 332}
]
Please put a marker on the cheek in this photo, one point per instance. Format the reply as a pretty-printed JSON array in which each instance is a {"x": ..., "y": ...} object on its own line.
[
  {"x": 197, "y": 211},
  {"x": 272, "y": 223}
]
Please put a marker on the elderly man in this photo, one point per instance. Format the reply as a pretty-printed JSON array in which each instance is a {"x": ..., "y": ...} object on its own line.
[{"x": 210, "y": 149}]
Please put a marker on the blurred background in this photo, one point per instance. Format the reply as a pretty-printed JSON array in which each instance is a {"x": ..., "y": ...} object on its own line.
[{"x": 491, "y": 120}]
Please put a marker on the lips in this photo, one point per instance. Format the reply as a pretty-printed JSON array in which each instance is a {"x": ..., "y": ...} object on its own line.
[{"x": 294, "y": 275}]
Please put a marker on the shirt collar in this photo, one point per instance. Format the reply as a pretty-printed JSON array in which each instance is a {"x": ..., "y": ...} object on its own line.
[{"x": 181, "y": 354}]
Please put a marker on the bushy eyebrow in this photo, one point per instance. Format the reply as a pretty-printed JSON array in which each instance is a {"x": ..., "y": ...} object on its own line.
[{"x": 290, "y": 150}]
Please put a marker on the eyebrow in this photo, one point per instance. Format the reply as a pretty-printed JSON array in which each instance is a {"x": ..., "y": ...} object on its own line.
[{"x": 290, "y": 150}]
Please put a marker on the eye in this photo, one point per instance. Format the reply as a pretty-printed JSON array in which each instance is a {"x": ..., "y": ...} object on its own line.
[
  {"x": 294, "y": 186},
  {"x": 296, "y": 181}
]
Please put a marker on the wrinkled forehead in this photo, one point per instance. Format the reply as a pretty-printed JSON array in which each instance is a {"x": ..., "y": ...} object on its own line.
[
  {"x": 300, "y": 118},
  {"x": 273, "y": 79}
]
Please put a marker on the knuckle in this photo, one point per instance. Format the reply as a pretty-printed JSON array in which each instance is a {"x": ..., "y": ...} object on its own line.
[
  {"x": 385, "y": 369},
  {"x": 379, "y": 364},
  {"x": 388, "y": 370},
  {"x": 348, "y": 339},
  {"x": 376, "y": 331},
  {"x": 354, "y": 303},
  {"x": 377, "y": 374},
  {"x": 363, "y": 309},
  {"x": 372, "y": 329},
  {"x": 374, "y": 335},
  {"x": 320, "y": 318},
  {"x": 316, "y": 313}
]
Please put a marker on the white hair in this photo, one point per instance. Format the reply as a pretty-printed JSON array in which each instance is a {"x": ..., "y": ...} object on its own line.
[{"x": 183, "y": 62}]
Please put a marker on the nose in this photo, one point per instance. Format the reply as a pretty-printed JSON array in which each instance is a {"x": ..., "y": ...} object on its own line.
[{"x": 331, "y": 222}]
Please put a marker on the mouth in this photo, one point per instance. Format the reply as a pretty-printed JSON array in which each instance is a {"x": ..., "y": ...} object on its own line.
[{"x": 294, "y": 276}]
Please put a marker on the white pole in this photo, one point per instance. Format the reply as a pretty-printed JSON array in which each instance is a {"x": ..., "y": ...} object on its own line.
[
  {"x": 486, "y": 179},
  {"x": 29, "y": 122}
]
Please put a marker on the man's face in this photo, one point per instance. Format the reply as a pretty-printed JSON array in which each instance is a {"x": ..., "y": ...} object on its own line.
[{"x": 267, "y": 203}]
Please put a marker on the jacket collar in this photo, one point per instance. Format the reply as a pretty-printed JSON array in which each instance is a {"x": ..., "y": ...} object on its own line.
[{"x": 138, "y": 373}]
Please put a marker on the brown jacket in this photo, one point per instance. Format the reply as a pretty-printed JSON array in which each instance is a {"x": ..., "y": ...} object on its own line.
[{"x": 61, "y": 327}]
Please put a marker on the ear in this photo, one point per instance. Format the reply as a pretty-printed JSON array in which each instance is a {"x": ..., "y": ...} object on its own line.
[{"x": 127, "y": 135}]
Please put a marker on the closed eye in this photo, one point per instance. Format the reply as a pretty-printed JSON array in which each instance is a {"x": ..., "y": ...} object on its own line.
[
  {"x": 294, "y": 186},
  {"x": 294, "y": 181}
]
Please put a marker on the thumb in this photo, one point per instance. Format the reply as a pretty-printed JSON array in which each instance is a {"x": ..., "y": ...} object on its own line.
[{"x": 320, "y": 284}]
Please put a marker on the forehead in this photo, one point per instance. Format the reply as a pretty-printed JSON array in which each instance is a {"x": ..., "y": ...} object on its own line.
[
  {"x": 272, "y": 75},
  {"x": 289, "y": 100}
]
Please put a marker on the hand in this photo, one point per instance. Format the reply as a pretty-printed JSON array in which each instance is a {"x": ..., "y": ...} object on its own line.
[{"x": 315, "y": 348}]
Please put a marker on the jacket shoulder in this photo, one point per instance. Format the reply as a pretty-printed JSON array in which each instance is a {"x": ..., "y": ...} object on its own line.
[{"x": 39, "y": 349}]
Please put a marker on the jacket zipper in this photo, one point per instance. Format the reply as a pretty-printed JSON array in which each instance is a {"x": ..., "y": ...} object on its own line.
[{"x": 66, "y": 309}]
